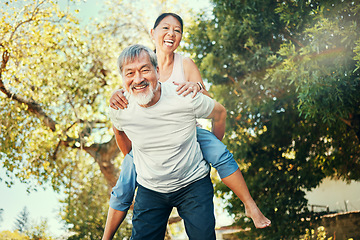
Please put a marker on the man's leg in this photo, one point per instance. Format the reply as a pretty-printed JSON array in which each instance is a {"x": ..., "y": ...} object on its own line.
[
  {"x": 150, "y": 215},
  {"x": 195, "y": 205}
]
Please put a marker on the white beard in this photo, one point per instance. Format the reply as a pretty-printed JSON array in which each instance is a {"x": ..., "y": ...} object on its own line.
[{"x": 145, "y": 98}]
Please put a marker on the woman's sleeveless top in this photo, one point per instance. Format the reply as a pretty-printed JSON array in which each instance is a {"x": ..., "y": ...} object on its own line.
[{"x": 177, "y": 74}]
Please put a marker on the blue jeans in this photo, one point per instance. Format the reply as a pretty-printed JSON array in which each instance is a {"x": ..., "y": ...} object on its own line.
[
  {"x": 193, "y": 202},
  {"x": 213, "y": 150}
]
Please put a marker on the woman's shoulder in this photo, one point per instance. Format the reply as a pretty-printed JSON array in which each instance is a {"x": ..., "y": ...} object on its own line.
[
  {"x": 185, "y": 60},
  {"x": 188, "y": 63},
  {"x": 191, "y": 71}
]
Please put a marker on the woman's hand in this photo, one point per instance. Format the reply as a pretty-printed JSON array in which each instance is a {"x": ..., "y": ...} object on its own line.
[
  {"x": 187, "y": 87},
  {"x": 118, "y": 100}
]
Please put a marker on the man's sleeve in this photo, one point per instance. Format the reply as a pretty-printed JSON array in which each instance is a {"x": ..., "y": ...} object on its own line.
[
  {"x": 202, "y": 105},
  {"x": 114, "y": 117}
]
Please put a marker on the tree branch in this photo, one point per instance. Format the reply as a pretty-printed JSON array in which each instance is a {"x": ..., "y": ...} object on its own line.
[
  {"x": 287, "y": 35},
  {"x": 346, "y": 121},
  {"x": 33, "y": 107}
]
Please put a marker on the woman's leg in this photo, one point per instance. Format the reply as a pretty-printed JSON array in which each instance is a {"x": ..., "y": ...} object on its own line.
[
  {"x": 217, "y": 154},
  {"x": 122, "y": 194},
  {"x": 237, "y": 184}
]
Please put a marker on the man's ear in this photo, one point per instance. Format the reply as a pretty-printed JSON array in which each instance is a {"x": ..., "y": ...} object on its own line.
[{"x": 158, "y": 73}]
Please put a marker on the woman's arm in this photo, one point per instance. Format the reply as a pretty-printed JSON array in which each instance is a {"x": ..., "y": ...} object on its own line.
[
  {"x": 218, "y": 116},
  {"x": 118, "y": 100},
  {"x": 192, "y": 74}
]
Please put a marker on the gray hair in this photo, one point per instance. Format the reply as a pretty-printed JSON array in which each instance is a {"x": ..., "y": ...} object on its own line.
[{"x": 133, "y": 52}]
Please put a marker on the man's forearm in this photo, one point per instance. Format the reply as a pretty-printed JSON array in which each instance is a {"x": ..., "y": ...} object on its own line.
[
  {"x": 218, "y": 117},
  {"x": 218, "y": 128},
  {"x": 113, "y": 221},
  {"x": 122, "y": 141}
]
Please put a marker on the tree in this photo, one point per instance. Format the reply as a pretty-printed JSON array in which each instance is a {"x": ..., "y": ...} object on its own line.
[
  {"x": 288, "y": 74},
  {"x": 55, "y": 78},
  {"x": 22, "y": 221},
  {"x": 87, "y": 201},
  {"x": 39, "y": 231},
  {"x": 54, "y": 82}
]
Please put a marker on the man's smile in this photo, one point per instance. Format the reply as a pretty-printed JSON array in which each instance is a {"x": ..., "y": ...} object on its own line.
[{"x": 140, "y": 86}]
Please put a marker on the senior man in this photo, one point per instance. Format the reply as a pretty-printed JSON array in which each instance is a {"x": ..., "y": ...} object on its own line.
[{"x": 171, "y": 171}]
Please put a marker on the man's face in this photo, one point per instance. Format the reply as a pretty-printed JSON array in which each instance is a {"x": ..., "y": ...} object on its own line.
[{"x": 141, "y": 80}]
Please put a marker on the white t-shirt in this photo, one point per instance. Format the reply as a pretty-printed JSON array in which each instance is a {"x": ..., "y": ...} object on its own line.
[{"x": 166, "y": 153}]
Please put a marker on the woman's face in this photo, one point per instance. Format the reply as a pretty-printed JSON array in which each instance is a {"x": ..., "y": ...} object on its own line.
[{"x": 167, "y": 35}]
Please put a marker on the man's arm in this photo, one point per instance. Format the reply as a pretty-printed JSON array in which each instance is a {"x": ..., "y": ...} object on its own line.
[
  {"x": 218, "y": 116},
  {"x": 113, "y": 221},
  {"x": 122, "y": 141}
]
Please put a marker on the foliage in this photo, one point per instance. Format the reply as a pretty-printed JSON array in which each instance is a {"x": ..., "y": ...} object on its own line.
[
  {"x": 24, "y": 227},
  {"x": 288, "y": 74},
  {"x": 319, "y": 234},
  {"x": 15, "y": 235},
  {"x": 85, "y": 206},
  {"x": 54, "y": 84},
  {"x": 39, "y": 231}
]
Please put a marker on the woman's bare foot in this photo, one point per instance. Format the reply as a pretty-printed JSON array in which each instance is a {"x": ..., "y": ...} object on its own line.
[{"x": 253, "y": 212}]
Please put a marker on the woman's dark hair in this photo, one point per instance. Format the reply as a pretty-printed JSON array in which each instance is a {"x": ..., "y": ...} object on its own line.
[{"x": 164, "y": 15}]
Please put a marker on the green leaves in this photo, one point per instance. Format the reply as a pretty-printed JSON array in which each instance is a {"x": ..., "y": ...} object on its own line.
[
  {"x": 55, "y": 84},
  {"x": 290, "y": 84}
]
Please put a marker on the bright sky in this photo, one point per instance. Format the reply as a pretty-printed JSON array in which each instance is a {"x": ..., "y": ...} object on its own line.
[{"x": 44, "y": 204}]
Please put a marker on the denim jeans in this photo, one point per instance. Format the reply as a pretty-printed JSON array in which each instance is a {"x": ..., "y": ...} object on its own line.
[{"x": 193, "y": 202}]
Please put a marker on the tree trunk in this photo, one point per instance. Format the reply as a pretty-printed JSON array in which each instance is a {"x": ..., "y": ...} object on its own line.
[{"x": 104, "y": 155}]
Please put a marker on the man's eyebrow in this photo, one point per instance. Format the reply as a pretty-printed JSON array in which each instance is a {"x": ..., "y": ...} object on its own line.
[
  {"x": 127, "y": 69},
  {"x": 145, "y": 65}
]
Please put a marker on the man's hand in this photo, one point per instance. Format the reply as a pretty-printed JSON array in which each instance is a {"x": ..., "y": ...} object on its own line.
[{"x": 113, "y": 221}]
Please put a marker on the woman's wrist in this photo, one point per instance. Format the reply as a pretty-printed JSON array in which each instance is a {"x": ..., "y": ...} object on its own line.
[{"x": 201, "y": 87}]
